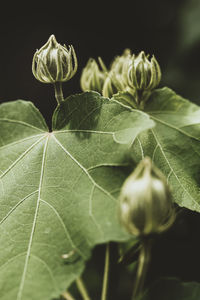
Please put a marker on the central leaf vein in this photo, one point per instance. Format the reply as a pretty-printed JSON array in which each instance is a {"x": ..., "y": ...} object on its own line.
[
  {"x": 20, "y": 141},
  {"x": 84, "y": 131},
  {"x": 21, "y": 123},
  {"x": 19, "y": 296}
]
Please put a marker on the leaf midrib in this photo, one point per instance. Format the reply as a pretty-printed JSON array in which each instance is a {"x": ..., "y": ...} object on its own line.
[
  {"x": 21, "y": 287},
  {"x": 28, "y": 252},
  {"x": 21, "y": 123}
]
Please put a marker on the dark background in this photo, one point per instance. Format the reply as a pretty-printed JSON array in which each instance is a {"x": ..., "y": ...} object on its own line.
[{"x": 170, "y": 29}]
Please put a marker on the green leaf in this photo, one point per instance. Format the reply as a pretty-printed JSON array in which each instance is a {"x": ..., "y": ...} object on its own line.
[
  {"x": 173, "y": 289},
  {"x": 58, "y": 189},
  {"x": 174, "y": 144},
  {"x": 125, "y": 98}
]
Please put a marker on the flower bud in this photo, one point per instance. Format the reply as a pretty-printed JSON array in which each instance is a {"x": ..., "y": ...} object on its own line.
[
  {"x": 108, "y": 88},
  {"x": 146, "y": 206},
  {"x": 54, "y": 63},
  {"x": 143, "y": 74},
  {"x": 116, "y": 80},
  {"x": 92, "y": 78}
]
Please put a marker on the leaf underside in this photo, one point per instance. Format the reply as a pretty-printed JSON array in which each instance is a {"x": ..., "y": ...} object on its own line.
[{"x": 58, "y": 189}]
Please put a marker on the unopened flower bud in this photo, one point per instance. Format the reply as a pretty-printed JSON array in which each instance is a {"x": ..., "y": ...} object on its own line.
[
  {"x": 54, "y": 63},
  {"x": 92, "y": 78},
  {"x": 116, "y": 80},
  {"x": 143, "y": 74},
  {"x": 108, "y": 88},
  {"x": 146, "y": 206}
]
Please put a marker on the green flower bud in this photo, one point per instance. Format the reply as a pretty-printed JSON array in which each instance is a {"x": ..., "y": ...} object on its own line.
[
  {"x": 116, "y": 80},
  {"x": 92, "y": 78},
  {"x": 143, "y": 74},
  {"x": 109, "y": 88},
  {"x": 146, "y": 206},
  {"x": 54, "y": 63}
]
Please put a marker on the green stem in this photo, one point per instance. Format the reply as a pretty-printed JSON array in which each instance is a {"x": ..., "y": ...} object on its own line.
[
  {"x": 82, "y": 289},
  {"x": 144, "y": 259},
  {"x": 68, "y": 296},
  {"x": 106, "y": 273},
  {"x": 58, "y": 92}
]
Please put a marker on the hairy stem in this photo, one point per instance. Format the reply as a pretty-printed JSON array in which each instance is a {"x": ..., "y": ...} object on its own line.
[
  {"x": 82, "y": 289},
  {"x": 58, "y": 92},
  {"x": 144, "y": 259},
  {"x": 106, "y": 273}
]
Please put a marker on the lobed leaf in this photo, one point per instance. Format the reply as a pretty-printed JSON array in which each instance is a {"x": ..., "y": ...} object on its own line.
[
  {"x": 174, "y": 144},
  {"x": 58, "y": 189}
]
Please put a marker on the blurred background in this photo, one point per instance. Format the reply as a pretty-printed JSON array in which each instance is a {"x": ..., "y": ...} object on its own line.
[{"x": 169, "y": 29}]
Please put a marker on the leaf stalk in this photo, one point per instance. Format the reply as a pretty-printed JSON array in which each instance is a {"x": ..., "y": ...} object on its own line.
[
  {"x": 144, "y": 259},
  {"x": 82, "y": 289},
  {"x": 106, "y": 273},
  {"x": 67, "y": 296}
]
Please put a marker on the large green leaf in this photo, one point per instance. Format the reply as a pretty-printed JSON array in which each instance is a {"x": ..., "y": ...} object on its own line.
[
  {"x": 174, "y": 144},
  {"x": 57, "y": 189},
  {"x": 173, "y": 289}
]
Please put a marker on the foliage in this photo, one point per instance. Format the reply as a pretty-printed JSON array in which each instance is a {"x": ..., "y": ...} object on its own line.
[{"x": 59, "y": 189}]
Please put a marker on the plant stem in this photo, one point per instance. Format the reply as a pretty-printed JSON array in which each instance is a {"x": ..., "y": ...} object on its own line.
[
  {"x": 106, "y": 273},
  {"x": 68, "y": 296},
  {"x": 82, "y": 289},
  {"x": 58, "y": 92},
  {"x": 143, "y": 263}
]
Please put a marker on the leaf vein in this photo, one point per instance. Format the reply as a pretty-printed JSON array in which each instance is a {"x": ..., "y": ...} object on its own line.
[
  {"x": 20, "y": 157},
  {"x": 48, "y": 269},
  {"x": 84, "y": 131},
  {"x": 19, "y": 295},
  {"x": 21, "y": 123},
  {"x": 83, "y": 169},
  {"x": 156, "y": 139},
  {"x": 176, "y": 128},
  {"x": 14, "y": 207},
  {"x": 107, "y": 165},
  {"x": 141, "y": 149},
  {"x": 64, "y": 227},
  {"x": 20, "y": 141},
  {"x": 12, "y": 259},
  {"x": 90, "y": 113},
  {"x": 91, "y": 213}
]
